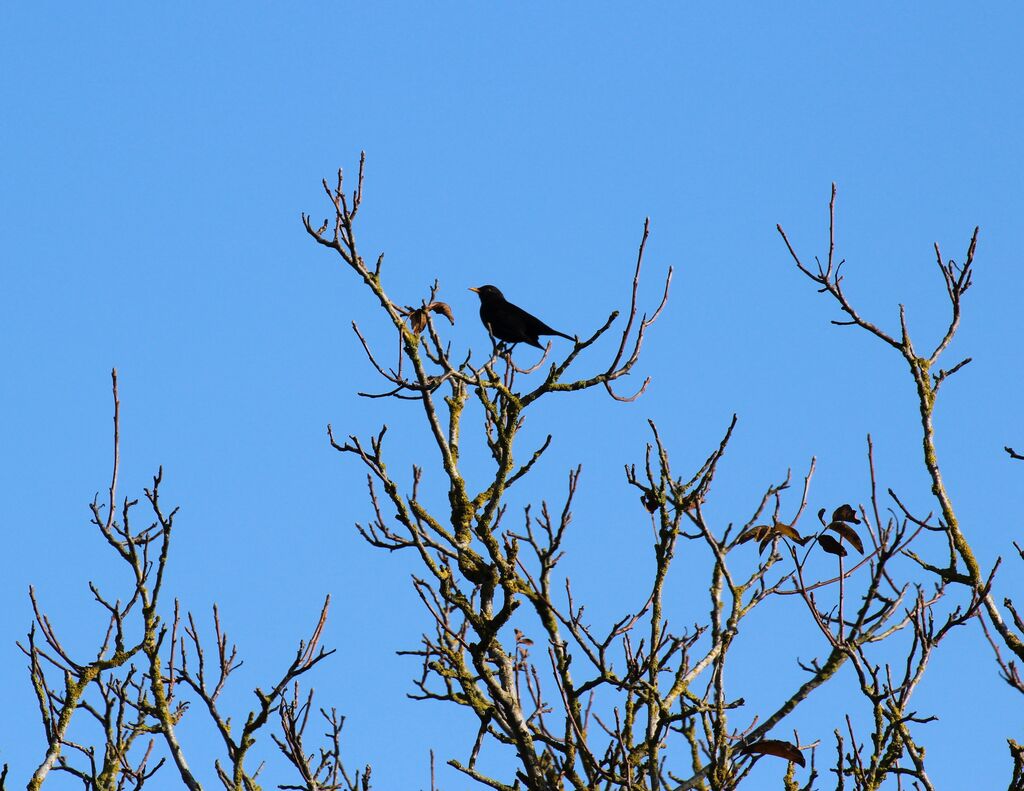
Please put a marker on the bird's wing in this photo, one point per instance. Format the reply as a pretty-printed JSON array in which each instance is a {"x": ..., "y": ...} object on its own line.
[{"x": 531, "y": 324}]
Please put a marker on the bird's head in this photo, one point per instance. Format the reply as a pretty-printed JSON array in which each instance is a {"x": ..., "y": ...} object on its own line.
[{"x": 488, "y": 293}]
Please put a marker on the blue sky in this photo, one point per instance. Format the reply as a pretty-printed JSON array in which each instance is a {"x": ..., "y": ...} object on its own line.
[{"x": 155, "y": 165}]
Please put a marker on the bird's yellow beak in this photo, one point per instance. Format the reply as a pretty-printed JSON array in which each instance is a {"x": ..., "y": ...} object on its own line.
[{"x": 475, "y": 290}]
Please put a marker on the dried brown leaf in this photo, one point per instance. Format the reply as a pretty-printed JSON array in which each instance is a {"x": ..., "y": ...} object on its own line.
[
  {"x": 444, "y": 309},
  {"x": 775, "y": 747},
  {"x": 765, "y": 534},
  {"x": 832, "y": 546},
  {"x": 845, "y": 513},
  {"x": 418, "y": 320},
  {"x": 788, "y": 531},
  {"x": 756, "y": 533},
  {"x": 650, "y": 501},
  {"x": 849, "y": 534}
]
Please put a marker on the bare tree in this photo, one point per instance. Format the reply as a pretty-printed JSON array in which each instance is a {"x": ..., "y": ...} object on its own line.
[
  {"x": 637, "y": 704},
  {"x": 129, "y": 691},
  {"x": 555, "y": 700}
]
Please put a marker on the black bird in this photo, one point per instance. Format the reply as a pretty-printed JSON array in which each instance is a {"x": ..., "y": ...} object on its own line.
[{"x": 510, "y": 323}]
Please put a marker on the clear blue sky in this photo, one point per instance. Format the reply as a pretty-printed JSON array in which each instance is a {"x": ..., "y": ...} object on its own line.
[{"x": 155, "y": 162}]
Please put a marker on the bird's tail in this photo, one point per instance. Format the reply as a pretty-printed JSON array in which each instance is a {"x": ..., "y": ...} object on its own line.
[{"x": 563, "y": 335}]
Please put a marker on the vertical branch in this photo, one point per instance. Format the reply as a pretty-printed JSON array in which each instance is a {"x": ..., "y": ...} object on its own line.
[{"x": 58, "y": 707}]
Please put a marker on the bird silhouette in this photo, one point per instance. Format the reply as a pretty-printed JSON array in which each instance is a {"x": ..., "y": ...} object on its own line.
[{"x": 510, "y": 323}]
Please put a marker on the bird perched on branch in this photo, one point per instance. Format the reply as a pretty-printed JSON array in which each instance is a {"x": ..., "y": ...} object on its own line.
[{"x": 510, "y": 323}]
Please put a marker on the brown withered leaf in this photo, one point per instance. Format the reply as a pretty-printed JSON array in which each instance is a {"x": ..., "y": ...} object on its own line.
[
  {"x": 775, "y": 747},
  {"x": 849, "y": 534},
  {"x": 832, "y": 546},
  {"x": 757, "y": 532},
  {"x": 418, "y": 320},
  {"x": 650, "y": 501},
  {"x": 765, "y": 534},
  {"x": 787, "y": 531},
  {"x": 845, "y": 513},
  {"x": 418, "y": 317},
  {"x": 444, "y": 309}
]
